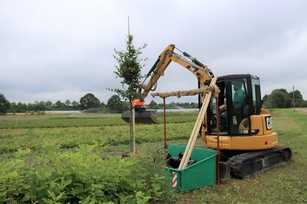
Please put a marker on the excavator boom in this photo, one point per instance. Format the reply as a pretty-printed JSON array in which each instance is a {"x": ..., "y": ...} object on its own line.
[
  {"x": 168, "y": 55},
  {"x": 185, "y": 60}
]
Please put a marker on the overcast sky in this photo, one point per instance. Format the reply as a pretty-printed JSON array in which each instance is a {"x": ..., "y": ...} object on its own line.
[{"x": 62, "y": 49}]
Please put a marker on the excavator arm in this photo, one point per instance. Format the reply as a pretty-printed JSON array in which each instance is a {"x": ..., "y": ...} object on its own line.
[{"x": 168, "y": 55}]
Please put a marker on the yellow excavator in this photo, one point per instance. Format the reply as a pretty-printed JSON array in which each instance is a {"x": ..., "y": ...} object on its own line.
[{"x": 231, "y": 117}]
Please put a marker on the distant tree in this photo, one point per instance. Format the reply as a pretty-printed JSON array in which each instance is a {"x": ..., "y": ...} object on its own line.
[
  {"x": 115, "y": 104},
  {"x": 88, "y": 101},
  {"x": 59, "y": 105},
  {"x": 279, "y": 98},
  {"x": 21, "y": 107},
  {"x": 48, "y": 105},
  {"x": 298, "y": 98},
  {"x": 37, "y": 106},
  {"x": 75, "y": 105},
  {"x": 4, "y": 104},
  {"x": 13, "y": 108},
  {"x": 67, "y": 104}
]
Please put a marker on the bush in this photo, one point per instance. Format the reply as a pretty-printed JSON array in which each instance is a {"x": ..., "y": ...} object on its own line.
[{"x": 82, "y": 177}]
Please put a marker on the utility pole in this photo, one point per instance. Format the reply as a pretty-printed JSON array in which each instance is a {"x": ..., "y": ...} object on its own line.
[{"x": 293, "y": 97}]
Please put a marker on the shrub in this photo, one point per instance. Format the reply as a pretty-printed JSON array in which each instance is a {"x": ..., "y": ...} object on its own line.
[{"x": 82, "y": 177}]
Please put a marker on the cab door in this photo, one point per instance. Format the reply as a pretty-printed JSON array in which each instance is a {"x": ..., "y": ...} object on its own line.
[{"x": 238, "y": 107}]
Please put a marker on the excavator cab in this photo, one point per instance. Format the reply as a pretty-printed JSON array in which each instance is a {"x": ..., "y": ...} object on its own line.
[
  {"x": 241, "y": 129},
  {"x": 239, "y": 98},
  {"x": 236, "y": 115}
]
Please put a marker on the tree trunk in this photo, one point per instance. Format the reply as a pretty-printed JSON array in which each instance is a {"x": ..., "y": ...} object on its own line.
[{"x": 132, "y": 128}]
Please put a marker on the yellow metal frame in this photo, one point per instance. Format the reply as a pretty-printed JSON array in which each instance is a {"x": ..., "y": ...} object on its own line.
[
  {"x": 249, "y": 142},
  {"x": 264, "y": 138}
]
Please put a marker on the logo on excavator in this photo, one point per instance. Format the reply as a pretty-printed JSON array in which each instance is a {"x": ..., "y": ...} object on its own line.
[{"x": 268, "y": 122}]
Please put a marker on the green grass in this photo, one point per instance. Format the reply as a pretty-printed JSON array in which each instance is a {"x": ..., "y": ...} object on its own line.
[
  {"x": 26, "y": 138},
  {"x": 40, "y": 138}
]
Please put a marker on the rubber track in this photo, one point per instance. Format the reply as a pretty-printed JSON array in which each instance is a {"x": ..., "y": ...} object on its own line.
[{"x": 248, "y": 164}]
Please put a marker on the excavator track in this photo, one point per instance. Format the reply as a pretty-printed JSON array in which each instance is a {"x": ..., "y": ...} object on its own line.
[{"x": 250, "y": 163}]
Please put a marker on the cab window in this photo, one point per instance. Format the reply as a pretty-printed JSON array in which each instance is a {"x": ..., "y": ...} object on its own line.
[
  {"x": 256, "y": 96},
  {"x": 239, "y": 107}
]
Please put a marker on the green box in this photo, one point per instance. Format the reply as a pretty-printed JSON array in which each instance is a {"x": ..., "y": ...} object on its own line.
[{"x": 200, "y": 174}]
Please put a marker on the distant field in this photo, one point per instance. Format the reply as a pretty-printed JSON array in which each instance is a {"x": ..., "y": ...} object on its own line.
[
  {"x": 32, "y": 143},
  {"x": 79, "y": 120}
]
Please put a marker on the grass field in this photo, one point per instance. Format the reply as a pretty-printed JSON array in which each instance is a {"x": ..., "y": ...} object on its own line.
[{"x": 78, "y": 142}]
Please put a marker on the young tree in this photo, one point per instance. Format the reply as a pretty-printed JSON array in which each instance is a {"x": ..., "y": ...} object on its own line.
[
  {"x": 128, "y": 69},
  {"x": 4, "y": 104}
]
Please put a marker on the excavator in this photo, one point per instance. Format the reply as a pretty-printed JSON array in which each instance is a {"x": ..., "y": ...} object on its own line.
[{"x": 231, "y": 118}]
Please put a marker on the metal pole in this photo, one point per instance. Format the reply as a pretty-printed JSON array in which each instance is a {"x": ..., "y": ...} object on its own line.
[
  {"x": 199, "y": 97},
  {"x": 293, "y": 98},
  {"x": 164, "y": 122},
  {"x": 218, "y": 160},
  {"x": 218, "y": 141}
]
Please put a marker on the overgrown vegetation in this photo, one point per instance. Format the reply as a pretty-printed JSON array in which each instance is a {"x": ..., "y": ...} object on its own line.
[
  {"x": 81, "y": 164},
  {"x": 82, "y": 176}
]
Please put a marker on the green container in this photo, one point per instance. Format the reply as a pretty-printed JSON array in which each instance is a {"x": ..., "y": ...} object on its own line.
[{"x": 199, "y": 174}]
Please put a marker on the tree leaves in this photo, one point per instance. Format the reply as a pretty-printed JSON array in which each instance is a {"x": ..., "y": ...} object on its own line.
[{"x": 128, "y": 69}]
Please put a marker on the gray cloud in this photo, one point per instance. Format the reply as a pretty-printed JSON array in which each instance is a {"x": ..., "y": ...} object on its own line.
[{"x": 52, "y": 50}]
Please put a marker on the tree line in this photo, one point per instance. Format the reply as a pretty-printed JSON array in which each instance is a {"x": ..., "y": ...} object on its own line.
[
  {"x": 89, "y": 103},
  {"x": 281, "y": 98},
  {"x": 278, "y": 98}
]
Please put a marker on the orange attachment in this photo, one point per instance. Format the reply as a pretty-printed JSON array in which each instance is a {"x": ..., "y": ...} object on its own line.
[{"x": 138, "y": 103}]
